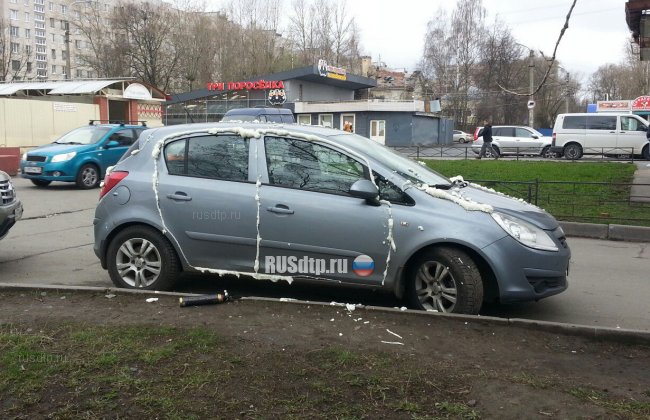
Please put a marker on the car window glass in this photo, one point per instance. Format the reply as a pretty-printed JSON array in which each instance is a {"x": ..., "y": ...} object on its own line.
[
  {"x": 124, "y": 137},
  {"x": 308, "y": 166},
  {"x": 217, "y": 157},
  {"x": 274, "y": 118},
  {"x": 575, "y": 122},
  {"x": 391, "y": 192},
  {"x": 522, "y": 132},
  {"x": 504, "y": 131},
  {"x": 84, "y": 135},
  {"x": 632, "y": 124},
  {"x": 135, "y": 146},
  {"x": 175, "y": 154},
  {"x": 601, "y": 122}
]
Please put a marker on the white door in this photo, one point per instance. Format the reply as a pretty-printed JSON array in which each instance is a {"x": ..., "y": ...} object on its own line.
[
  {"x": 631, "y": 135},
  {"x": 378, "y": 131}
]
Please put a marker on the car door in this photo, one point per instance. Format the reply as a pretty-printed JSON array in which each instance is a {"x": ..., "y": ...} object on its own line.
[
  {"x": 526, "y": 141},
  {"x": 601, "y": 134},
  {"x": 207, "y": 201},
  {"x": 632, "y": 135},
  {"x": 503, "y": 138},
  {"x": 307, "y": 213},
  {"x": 111, "y": 154}
]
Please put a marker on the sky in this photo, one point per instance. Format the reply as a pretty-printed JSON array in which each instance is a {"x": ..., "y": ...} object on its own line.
[{"x": 394, "y": 31}]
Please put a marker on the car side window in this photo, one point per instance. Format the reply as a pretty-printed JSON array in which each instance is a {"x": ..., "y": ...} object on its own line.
[
  {"x": 391, "y": 192},
  {"x": 522, "y": 132},
  {"x": 308, "y": 166},
  {"x": 575, "y": 122},
  {"x": 504, "y": 132},
  {"x": 601, "y": 122},
  {"x": 124, "y": 137},
  {"x": 217, "y": 157},
  {"x": 631, "y": 124}
]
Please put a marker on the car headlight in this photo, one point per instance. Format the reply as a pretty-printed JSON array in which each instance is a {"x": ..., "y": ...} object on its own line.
[
  {"x": 24, "y": 158},
  {"x": 524, "y": 232},
  {"x": 64, "y": 157}
]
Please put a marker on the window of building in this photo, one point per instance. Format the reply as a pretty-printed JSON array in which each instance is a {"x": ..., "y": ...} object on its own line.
[
  {"x": 348, "y": 118},
  {"x": 53, "y": 68},
  {"x": 79, "y": 74},
  {"x": 52, "y": 24},
  {"x": 29, "y": 67},
  {"x": 39, "y": 8},
  {"x": 14, "y": 1},
  {"x": 13, "y": 31},
  {"x": 308, "y": 166},
  {"x": 326, "y": 120},
  {"x": 41, "y": 73},
  {"x": 15, "y": 47},
  {"x": 13, "y": 14},
  {"x": 304, "y": 119},
  {"x": 39, "y": 25},
  {"x": 28, "y": 33},
  {"x": 39, "y": 17},
  {"x": 15, "y": 65},
  {"x": 51, "y": 7},
  {"x": 64, "y": 55},
  {"x": 64, "y": 9},
  {"x": 28, "y": 49},
  {"x": 53, "y": 54},
  {"x": 77, "y": 43},
  {"x": 64, "y": 70},
  {"x": 27, "y": 17}
]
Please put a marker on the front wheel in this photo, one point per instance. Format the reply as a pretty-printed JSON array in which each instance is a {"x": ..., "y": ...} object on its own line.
[
  {"x": 88, "y": 176},
  {"x": 573, "y": 152},
  {"x": 646, "y": 152},
  {"x": 445, "y": 280},
  {"x": 140, "y": 257}
]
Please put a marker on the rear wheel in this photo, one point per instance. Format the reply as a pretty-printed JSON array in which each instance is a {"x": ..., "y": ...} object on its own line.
[
  {"x": 40, "y": 182},
  {"x": 573, "y": 152},
  {"x": 140, "y": 257},
  {"x": 445, "y": 280},
  {"x": 546, "y": 153},
  {"x": 88, "y": 176}
]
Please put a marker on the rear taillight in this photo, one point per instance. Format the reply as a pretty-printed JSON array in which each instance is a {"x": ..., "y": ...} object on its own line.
[
  {"x": 476, "y": 133},
  {"x": 111, "y": 181},
  {"x": 553, "y": 141}
]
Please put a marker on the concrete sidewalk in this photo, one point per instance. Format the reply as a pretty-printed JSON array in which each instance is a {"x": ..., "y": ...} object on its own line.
[{"x": 640, "y": 192}]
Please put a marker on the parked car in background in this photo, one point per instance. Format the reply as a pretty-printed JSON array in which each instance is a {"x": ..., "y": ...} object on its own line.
[
  {"x": 462, "y": 137},
  {"x": 11, "y": 209},
  {"x": 515, "y": 140},
  {"x": 614, "y": 134},
  {"x": 233, "y": 198},
  {"x": 80, "y": 156}
]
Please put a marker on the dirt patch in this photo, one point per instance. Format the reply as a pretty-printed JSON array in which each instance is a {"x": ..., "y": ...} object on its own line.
[{"x": 84, "y": 355}]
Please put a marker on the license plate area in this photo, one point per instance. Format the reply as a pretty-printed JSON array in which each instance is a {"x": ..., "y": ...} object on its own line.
[{"x": 33, "y": 170}]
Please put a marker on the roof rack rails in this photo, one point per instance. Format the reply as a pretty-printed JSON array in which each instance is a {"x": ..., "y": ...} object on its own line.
[{"x": 120, "y": 122}]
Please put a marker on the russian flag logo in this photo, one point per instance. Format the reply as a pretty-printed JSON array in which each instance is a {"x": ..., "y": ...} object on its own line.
[{"x": 363, "y": 266}]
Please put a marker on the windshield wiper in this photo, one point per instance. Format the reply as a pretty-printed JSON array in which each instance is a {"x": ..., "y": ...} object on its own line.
[
  {"x": 71, "y": 142},
  {"x": 442, "y": 186}
]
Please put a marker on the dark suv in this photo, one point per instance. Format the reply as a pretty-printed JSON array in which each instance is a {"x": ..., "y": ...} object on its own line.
[{"x": 11, "y": 209}]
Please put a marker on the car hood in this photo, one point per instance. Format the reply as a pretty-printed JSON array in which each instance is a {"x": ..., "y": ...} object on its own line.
[
  {"x": 56, "y": 149},
  {"x": 512, "y": 206}
]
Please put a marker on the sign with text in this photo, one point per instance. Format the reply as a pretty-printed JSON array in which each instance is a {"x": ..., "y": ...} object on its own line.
[
  {"x": 256, "y": 85},
  {"x": 331, "y": 71}
]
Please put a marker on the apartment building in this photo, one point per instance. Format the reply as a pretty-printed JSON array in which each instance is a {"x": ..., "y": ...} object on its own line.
[{"x": 41, "y": 33}]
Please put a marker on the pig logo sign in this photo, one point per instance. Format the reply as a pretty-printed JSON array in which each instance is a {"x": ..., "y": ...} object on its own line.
[{"x": 277, "y": 96}]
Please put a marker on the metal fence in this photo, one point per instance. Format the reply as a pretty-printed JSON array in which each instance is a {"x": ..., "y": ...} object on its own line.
[
  {"x": 513, "y": 153},
  {"x": 594, "y": 202}
]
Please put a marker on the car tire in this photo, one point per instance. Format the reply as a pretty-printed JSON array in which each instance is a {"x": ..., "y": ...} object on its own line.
[
  {"x": 440, "y": 276},
  {"x": 573, "y": 151},
  {"x": 88, "y": 177},
  {"x": 547, "y": 154},
  {"x": 140, "y": 257},
  {"x": 646, "y": 152},
  {"x": 40, "y": 182}
]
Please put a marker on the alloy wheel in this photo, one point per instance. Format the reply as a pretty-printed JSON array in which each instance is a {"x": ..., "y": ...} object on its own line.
[
  {"x": 436, "y": 287},
  {"x": 138, "y": 262}
]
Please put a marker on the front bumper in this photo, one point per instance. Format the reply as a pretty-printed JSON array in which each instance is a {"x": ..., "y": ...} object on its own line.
[
  {"x": 525, "y": 274},
  {"x": 61, "y": 171},
  {"x": 9, "y": 215}
]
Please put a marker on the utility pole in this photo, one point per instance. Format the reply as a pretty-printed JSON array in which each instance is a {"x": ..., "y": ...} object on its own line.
[
  {"x": 568, "y": 93},
  {"x": 531, "y": 82}
]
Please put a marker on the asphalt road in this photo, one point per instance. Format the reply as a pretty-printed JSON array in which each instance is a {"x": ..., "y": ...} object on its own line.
[{"x": 609, "y": 281}]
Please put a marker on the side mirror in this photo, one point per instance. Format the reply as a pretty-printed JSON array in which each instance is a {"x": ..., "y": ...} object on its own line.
[
  {"x": 535, "y": 136},
  {"x": 364, "y": 189},
  {"x": 112, "y": 144}
]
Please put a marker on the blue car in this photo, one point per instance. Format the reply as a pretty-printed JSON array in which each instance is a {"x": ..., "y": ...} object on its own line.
[{"x": 81, "y": 155}]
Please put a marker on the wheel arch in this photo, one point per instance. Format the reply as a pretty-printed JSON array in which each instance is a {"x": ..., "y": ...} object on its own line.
[
  {"x": 490, "y": 285},
  {"x": 118, "y": 229}
]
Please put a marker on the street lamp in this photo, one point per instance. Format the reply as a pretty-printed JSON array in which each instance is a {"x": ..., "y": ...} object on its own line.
[{"x": 67, "y": 39}]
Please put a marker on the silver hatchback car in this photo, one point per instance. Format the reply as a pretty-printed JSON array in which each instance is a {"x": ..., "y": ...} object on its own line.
[{"x": 315, "y": 204}]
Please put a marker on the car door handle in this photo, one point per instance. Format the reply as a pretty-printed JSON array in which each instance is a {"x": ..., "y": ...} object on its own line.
[
  {"x": 280, "y": 209},
  {"x": 179, "y": 196}
]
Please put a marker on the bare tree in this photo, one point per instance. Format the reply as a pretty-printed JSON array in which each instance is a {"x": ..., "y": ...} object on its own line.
[{"x": 15, "y": 59}]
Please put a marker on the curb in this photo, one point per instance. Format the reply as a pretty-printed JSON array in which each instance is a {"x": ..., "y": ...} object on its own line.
[
  {"x": 617, "y": 335},
  {"x": 607, "y": 232}
]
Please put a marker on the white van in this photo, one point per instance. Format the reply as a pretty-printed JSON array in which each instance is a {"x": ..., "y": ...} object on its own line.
[{"x": 575, "y": 135}]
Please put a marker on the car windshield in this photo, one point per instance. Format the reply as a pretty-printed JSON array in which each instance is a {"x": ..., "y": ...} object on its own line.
[
  {"x": 399, "y": 164},
  {"x": 84, "y": 135}
]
